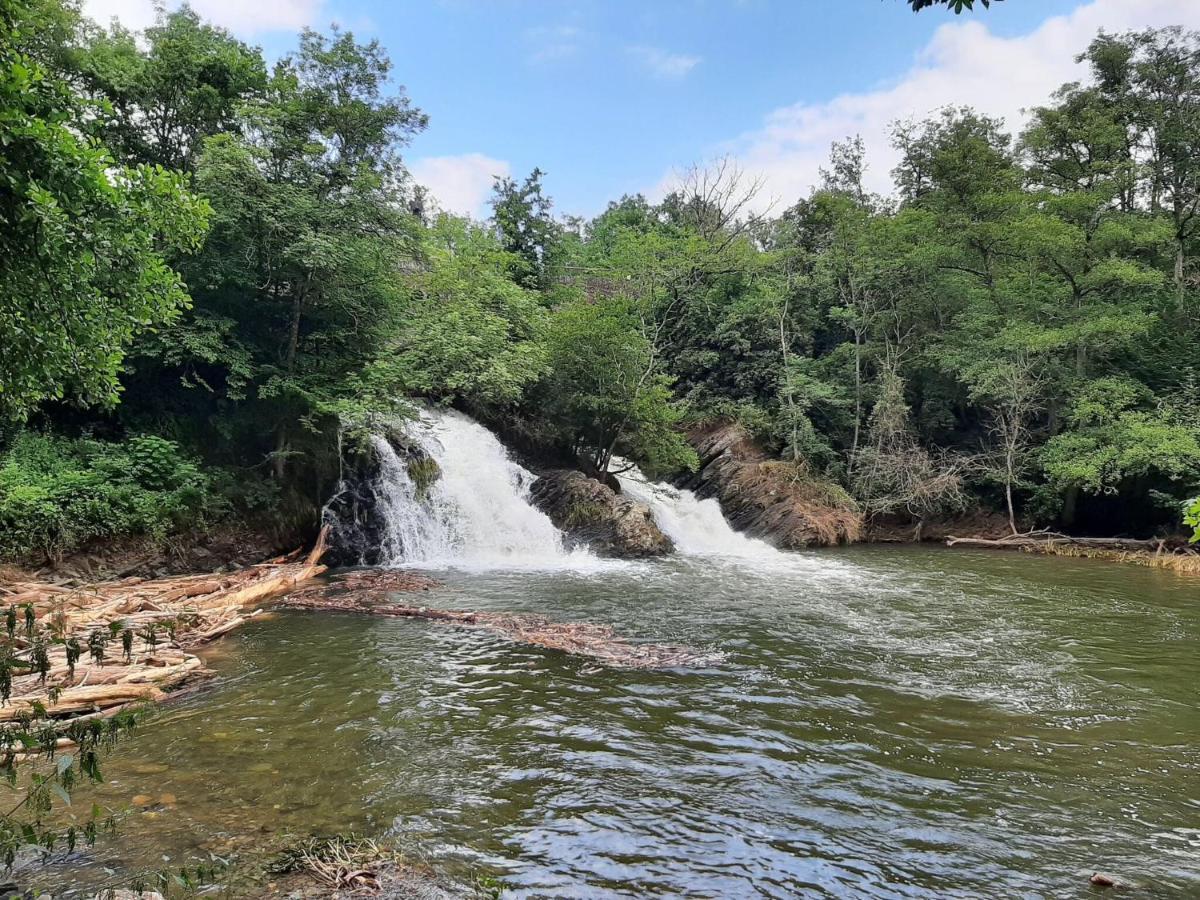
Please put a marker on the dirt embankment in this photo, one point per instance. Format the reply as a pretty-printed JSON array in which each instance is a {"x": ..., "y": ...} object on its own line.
[{"x": 775, "y": 500}]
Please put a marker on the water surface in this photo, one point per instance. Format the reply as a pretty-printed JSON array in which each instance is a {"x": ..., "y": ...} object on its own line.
[{"x": 887, "y": 722}]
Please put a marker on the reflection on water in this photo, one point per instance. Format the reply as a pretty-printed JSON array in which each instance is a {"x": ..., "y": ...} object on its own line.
[{"x": 886, "y": 723}]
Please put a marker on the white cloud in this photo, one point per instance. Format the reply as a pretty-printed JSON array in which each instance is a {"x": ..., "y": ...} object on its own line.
[
  {"x": 550, "y": 43},
  {"x": 459, "y": 184},
  {"x": 963, "y": 64},
  {"x": 245, "y": 17},
  {"x": 664, "y": 64}
]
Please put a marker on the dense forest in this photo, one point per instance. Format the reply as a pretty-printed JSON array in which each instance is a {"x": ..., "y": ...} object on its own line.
[{"x": 216, "y": 274}]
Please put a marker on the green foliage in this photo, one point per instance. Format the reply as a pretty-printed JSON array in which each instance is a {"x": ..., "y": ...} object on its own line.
[
  {"x": 1117, "y": 437},
  {"x": 56, "y": 494},
  {"x": 177, "y": 83},
  {"x": 32, "y": 825},
  {"x": 605, "y": 394},
  {"x": 471, "y": 334},
  {"x": 521, "y": 214},
  {"x": 1191, "y": 517},
  {"x": 84, "y": 238}
]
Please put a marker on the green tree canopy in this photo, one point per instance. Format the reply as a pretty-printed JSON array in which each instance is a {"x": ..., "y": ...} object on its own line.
[{"x": 84, "y": 239}]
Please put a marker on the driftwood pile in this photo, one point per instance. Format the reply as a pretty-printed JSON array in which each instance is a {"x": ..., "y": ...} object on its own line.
[
  {"x": 166, "y": 616},
  {"x": 368, "y": 592}
]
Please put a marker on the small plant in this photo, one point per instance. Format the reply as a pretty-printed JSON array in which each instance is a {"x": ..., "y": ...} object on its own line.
[
  {"x": 127, "y": 644},
  {"x": 74, "y": 651},
  {"x": 5, "y": 675},
  {"x": 30, "y": 620},
  {"x": 40, "y": 659},
  {"x": 96, "y": 645},
  {"x": 150, "y": 636},
  {"x": 10, "y": 622}
]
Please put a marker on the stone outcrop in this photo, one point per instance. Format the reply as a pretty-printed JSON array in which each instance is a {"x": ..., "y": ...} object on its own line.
[
  {"x": 354, "y": 514},
  {"x": 592, "y": 514},
  {"x": 771, "y": 499}
]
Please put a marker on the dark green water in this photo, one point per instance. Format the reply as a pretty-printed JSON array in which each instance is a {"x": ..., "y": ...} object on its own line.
[{"x": 885, "y": 723}]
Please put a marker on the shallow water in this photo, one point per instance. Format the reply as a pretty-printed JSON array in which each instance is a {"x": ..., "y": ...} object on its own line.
[{"x": 886, "y": 722}]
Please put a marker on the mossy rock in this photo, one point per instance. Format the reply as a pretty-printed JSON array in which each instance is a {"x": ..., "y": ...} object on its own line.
[{"x": 424, "y": 471}]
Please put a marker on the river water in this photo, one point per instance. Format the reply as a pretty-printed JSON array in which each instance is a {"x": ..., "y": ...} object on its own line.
[
  {"x": 886, "y": 722},
  {"x": 882, "y": 722}
]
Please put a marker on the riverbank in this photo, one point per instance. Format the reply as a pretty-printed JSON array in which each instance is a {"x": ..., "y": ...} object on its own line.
[{"x": 1157, "y": 554}]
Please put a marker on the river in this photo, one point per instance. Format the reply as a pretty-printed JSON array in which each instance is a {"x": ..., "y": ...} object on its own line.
[{"x": 883, "y": 722}]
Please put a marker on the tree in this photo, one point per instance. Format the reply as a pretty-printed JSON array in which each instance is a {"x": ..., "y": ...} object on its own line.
[
  {"x": 168, "y": 89},
  {"x": 471, "y": 334},
  {"x": 1120, "y": 435},
  {"x": 84, "y": 240},
  {"x": 521, "y": 215},
  {"x": 311, "y": 228},
  {"x": 605, "y": 394}
]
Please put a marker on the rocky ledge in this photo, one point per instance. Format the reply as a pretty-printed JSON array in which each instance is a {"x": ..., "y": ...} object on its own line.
[
  {"x": 771, "y": 499},
  {"x": 592, "y": 514}
]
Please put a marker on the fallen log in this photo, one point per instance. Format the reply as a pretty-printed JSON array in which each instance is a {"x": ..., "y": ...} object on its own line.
[
  {"x": 129, "y": 615},
  {"x": 1051, "y": 539},
  {"x": 597, "y": 642}
]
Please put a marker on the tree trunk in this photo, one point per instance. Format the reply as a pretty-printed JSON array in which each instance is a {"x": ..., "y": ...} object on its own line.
[
  {"x": 1008, "y": 498},
  {"x": 281, "y": 439},
  {"x": 857, "y": 399},
  {"x": 1179, "y": 269}
]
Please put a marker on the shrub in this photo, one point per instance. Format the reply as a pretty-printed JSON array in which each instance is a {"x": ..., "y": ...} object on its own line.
[{"x": 57, "y": 493}]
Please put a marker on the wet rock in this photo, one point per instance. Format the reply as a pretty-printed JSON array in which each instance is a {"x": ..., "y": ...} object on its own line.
[
  {"x": 771, "y": 499},
  {"x": 592, "y": 514},
  {"x": 354, "y": 513}
]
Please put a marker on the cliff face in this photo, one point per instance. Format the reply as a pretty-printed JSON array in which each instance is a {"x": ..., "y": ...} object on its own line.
[
  {"x": 766, "y": 498},
  {"x": 592, "y": 514}
]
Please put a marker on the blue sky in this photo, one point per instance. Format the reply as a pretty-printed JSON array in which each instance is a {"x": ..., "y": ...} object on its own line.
[{"x": 612, "y": 97}]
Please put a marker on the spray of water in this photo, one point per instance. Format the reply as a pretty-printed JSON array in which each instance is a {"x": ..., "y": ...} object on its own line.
[
  {"x": 697, "y": 526},
  {"x": 475, "y": 515}
]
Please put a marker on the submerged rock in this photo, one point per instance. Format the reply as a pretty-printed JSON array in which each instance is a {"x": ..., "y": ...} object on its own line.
[
  {"x": 767, "y": 498},
  {"x": 592, "y": 514}
]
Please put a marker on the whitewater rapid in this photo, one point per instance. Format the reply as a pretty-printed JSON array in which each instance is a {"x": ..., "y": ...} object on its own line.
[
  {"x": 697, "y": 527},
  {"x": 475, "y": 515}
]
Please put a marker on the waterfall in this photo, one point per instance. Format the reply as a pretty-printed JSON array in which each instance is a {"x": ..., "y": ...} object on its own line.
[
  {"x": 698, "y": 527},
  {"x": 474, "y": 515}
]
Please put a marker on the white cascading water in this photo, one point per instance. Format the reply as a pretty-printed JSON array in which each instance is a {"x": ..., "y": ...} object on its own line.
[
  {"x": 698, "y": 527},
  {"x": 475, "y": 515}
]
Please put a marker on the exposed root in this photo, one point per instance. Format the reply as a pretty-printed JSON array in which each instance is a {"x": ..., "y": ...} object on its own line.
[{"x": 597, "y": 642}]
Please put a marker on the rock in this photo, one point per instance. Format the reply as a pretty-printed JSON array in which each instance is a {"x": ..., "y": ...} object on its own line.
[
  {"x": 771, "y": 499},
  {"x": 1099, "y": 879},
  {"x": 594, "y": 515},
  {"x": 354, "y": 512}
]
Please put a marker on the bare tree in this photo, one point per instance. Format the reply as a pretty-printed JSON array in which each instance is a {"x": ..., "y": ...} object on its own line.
[{"x": 717, "y": 199}]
